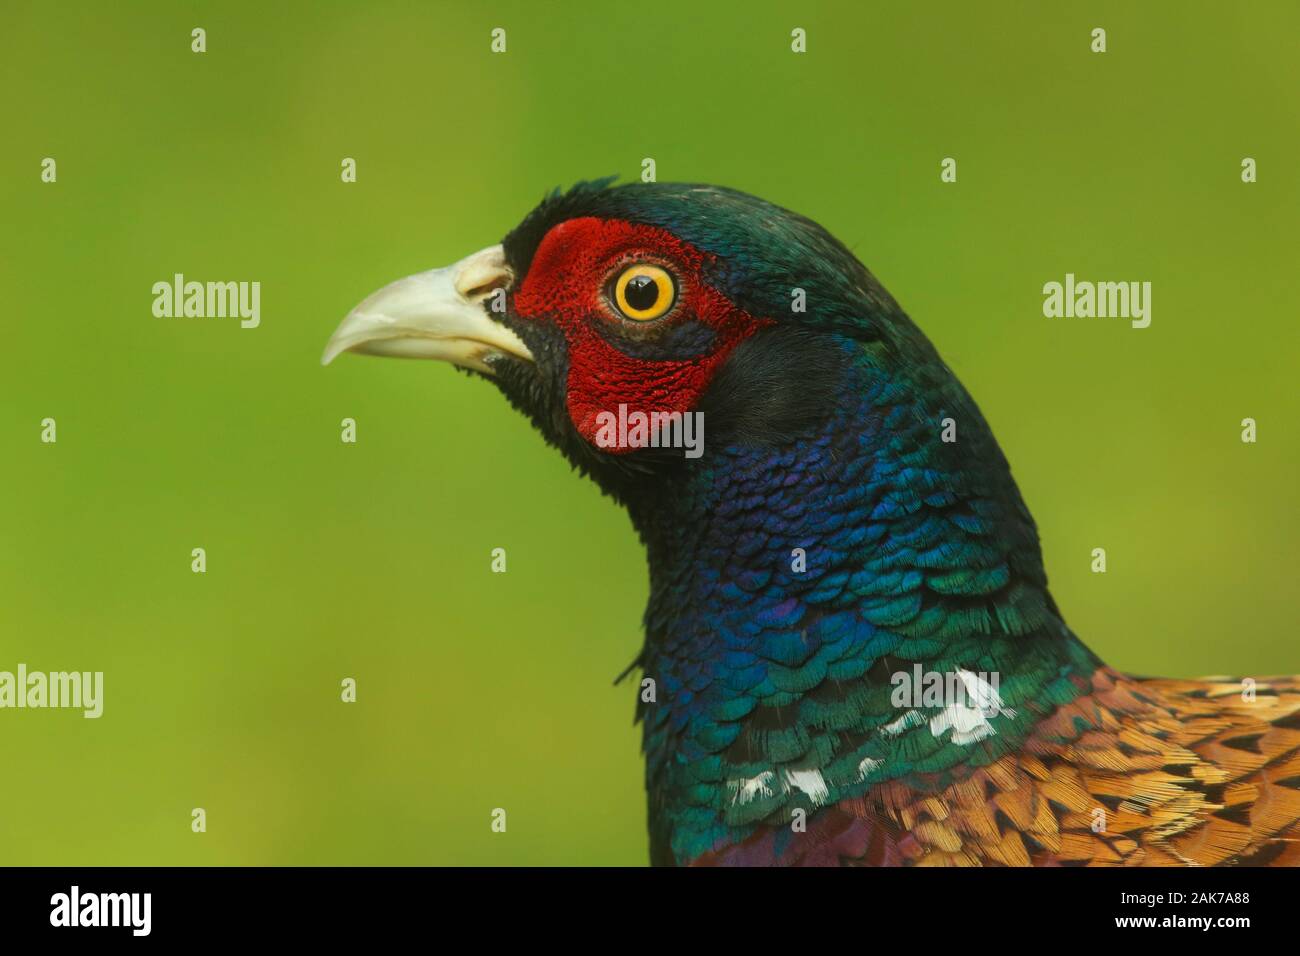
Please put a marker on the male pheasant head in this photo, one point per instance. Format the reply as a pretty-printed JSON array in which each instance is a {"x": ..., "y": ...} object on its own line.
[
  {"x": 666, "y": 298},
  {"x": 851, "y": 514}
]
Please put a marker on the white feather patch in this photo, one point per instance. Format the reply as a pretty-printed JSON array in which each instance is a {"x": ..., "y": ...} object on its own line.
[
  {"x": 810, "y": 782},
  {"x": 866, "y": 766},
  {"x": 969, "y": 720},
  {"x": 913, "y": 718},
  {"x": 745, "y": 790}
]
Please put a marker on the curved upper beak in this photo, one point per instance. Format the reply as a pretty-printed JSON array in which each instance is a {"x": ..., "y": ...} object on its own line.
[{"x": 440, "y": 314}]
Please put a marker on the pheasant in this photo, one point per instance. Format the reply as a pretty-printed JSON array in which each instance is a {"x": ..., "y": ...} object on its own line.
[{"x": 851, "y": 525}]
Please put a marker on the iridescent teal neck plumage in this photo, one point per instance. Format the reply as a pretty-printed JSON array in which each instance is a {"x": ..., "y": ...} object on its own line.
[
  {"x": 826, "y": 439},
  {"x": 774, "y": 684}
]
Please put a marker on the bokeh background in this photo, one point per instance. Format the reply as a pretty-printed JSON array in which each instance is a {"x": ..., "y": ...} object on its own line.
[{"x": 326, "y": 560}]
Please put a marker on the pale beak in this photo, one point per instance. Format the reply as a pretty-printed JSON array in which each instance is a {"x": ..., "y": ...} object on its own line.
[{"x": 440, "y": 314}]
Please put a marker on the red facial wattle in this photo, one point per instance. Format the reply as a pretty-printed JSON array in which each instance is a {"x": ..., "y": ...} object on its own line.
[{"x": 566, "y": 284}]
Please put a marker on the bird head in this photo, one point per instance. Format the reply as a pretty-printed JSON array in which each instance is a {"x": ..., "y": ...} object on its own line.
[
  {"x": 851, "y": 515},
  {"x": 663, "y": 299}
]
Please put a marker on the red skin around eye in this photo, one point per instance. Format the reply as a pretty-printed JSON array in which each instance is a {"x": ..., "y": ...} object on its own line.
[{"x": 566, "y": 285}]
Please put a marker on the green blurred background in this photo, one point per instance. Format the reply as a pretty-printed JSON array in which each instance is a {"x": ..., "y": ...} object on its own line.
[{"x": 326, "y": 560}]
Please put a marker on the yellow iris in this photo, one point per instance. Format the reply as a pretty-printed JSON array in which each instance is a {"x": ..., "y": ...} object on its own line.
[{"x": 644, "y": 292}]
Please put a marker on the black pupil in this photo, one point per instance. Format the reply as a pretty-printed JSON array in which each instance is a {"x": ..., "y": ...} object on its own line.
[{"x": 641, "y": 292}]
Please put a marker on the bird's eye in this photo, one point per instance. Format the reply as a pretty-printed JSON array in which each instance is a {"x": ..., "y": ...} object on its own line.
[{"x": 644, "y": 292}]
